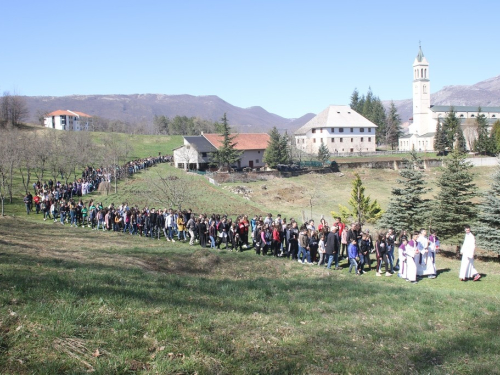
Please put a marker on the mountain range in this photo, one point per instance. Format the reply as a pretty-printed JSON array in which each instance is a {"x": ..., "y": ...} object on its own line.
[{"x": 141, "y": 108}]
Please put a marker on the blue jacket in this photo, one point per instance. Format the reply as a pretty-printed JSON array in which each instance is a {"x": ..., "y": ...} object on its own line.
[{"x": 352, "y": 251}]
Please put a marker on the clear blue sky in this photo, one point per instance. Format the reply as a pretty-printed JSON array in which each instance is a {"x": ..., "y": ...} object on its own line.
[{"x": 289, "y": 57}]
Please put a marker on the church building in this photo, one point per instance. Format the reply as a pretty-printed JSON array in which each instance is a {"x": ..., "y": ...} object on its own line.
[{"x": 421, "y": 132}]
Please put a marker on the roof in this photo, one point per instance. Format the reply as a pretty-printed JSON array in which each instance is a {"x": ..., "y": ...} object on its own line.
[
  {"x": 463, "y": 108},
  {"x": 67, "y": 112},
  {"x": 336, "y": 116},
  {"x": 244, "y": 141},
  {"x": 200, "y": 143}
]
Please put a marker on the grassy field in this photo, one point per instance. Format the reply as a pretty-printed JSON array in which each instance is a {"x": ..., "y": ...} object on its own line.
[{"x": 74, "y": 301}]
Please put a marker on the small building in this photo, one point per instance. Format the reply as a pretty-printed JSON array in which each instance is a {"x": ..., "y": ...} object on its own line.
[
  {"x": 67, "y": 120},
  {"x": 340, "y": 128},
  {"x": 196, "y": 150}
]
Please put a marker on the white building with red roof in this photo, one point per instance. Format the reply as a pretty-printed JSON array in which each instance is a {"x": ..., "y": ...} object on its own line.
[
  {"x": 195, "y": 153},
  {"x": 67, "y": 120}
]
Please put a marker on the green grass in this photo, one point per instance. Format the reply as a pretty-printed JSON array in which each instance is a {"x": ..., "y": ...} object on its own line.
[{"x": 154, "y": 307}]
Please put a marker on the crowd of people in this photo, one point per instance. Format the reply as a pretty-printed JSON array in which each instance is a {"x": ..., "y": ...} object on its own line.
[{"x": 325, "y": 245}]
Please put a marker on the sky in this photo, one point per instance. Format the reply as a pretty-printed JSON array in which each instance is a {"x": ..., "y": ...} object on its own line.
[{"x": 289, "y": 57}]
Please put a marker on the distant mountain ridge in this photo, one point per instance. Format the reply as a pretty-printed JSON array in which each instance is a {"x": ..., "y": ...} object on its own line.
[
  {"x": 485, "y": 93},
  {"x": 141, "y": 108}
]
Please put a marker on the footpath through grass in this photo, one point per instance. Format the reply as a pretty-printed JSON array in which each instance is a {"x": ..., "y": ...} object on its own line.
[{"x": 74, "y": 301}]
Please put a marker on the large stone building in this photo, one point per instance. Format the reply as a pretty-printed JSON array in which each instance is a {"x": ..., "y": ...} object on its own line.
[
  {"x": 422, "y": 130},
  {"x": 340, "y": 128}
]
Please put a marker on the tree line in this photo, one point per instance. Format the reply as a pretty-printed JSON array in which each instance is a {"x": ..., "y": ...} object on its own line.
[
  {"x": 472, "y": 134},
  {"x": 388, "y": 122},
  {"x": 36, "y": 156}
]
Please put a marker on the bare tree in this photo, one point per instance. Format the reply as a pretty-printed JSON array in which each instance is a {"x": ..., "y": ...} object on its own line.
[
  {"x": 115, "y": 152},
  {"x": 8, "y": 162},
  {"x": 42, "y": 147},
  {"x": 469, "y": 128},
  {"x": 13, "y": 109},
  {"x": 170, "y": 191}
]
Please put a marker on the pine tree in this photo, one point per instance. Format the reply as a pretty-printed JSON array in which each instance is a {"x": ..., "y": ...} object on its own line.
[
  {"x": 323, "y": 153},
  {"x": 277, "y": 149},
  {"x": 495, "y": 136},
  {"x": 440, "y": 141},
  {"x": 453, "y": 207},
  {"x": 484, "y": 144},
  {"x": 393, "y": 127},
  {"x": 226, "y": 155},
  {"x": 362, "y": 209},
  {"x": 408, "y": 209},
  {"x": 488, "y": 225},
  {"x": 453, "y": 131},
  {"x": 355, "y": 100}
]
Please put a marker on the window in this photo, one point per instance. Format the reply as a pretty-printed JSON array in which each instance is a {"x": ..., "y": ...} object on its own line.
[
  {"x": 321, "y": 131},
  {"x": 203, "y": 154},
  {"x": 298, "y": 140},
  {"x": 471, "y": 115},
  {"x": 314, "y": 130},
  {"x": 321, "y": 140},
  {"x": 341, "y": 130},
  {"x": 369, "y": 130},
  {"x": 352, "y": 140},
  {"x": 258, "y": 152},
  {"x": 461, "y": 115},
  {"x": 493, "y": 116},
  {"x": 257, "y": 161},
  {"x": 341, "y": 140},
  {"x": 361, "y": 139},
  {"x": 352, "y": 130},
  {"x": 361, "y": 130},
  {"x": 314, "y": 140},
  {"x": 369, "y": 139},
  {"x": 333, "y": 130},
  {"x": 333, "y": 140},
  {"x": 302, "y": 140}
]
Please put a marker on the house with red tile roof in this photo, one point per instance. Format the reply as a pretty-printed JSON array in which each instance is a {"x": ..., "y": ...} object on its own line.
[
  {"x": 67, "y": 120},
  {"x": 195, "y": 153}
]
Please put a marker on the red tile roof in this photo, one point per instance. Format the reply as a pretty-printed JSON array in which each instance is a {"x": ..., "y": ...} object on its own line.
[
  {"x": 244, "y": 141},
  {"x": 61, "y": 112}
]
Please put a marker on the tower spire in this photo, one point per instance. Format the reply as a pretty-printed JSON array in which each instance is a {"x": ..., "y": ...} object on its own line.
[{"x": 420, "y": 55}]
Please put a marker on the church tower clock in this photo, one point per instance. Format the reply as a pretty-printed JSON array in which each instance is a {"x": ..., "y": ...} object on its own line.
[{"x": 421, "y": 96}]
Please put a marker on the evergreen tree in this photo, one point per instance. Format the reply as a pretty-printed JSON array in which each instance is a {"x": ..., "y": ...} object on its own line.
[
  {"x": 488, "y": 229},
  {"x": 453, "y": 131},
  {"x": 484, "y": 144},
  {"x": 277, "y": 149},
  {"x": 440, "y": 141},
  {"x": 361, "y": 208},
  {"x": 355, "y": 100},
  {"x": 393, "y": 127},
  {"x": 453, "y": 207},
  {"x": 408, "y": 209},
  {"x": 323, "y": 153},
  {"x": 226, "y": 154},
  {"x": 371, "y": 107},
  {"x": 495, "y": 136},
  {"x": 285, "y": 149}
]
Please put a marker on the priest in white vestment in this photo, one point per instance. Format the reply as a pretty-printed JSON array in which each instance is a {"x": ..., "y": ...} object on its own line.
[{"x": 467, "y": 270}]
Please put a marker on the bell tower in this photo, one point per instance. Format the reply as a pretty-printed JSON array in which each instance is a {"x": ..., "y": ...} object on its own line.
[{"x": 421, "y": 96}]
